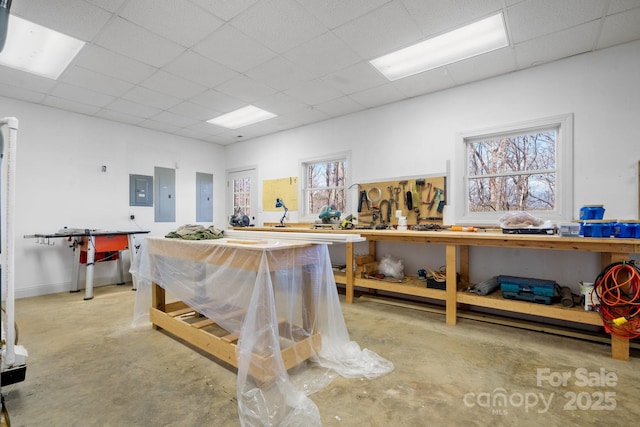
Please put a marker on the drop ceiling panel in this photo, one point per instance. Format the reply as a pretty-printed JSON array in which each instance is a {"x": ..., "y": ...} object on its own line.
[
  {"x": 620, "y": 28},
  {"x": 69, "y": 105},
  {"x": 195, "y": 111},
  {"x": 82, "y": 95},
  {"x": 380, "y": 95},
  {"x": 217, "y": 101},
  {"x": 160, "y": 126},
  {"x": 531, "y": 19},
  {"x": 112, "y": 64},
  {"x": 340, "y": 107},
  {"x": 173, "y": 85},
  {"x": 152, "y": 98},
  {"x": 279, "y": 103},
  {"x": 137, "y": 43},
  {"x": 324, "y": 54},
  {"x": 245, "y": 89},
  {"x": 89, "y": 79},
  {"x": 381, "y": 31},
  {"x": 280, "y": 73},
  {"x": 494, "y": 63},
  {"x": 314, "y": 92},
  {"x": 177, "y": 20},
  {"x": 20, "y": 93},
  {"x": 118, "y": 117},
  {"x": 110, "y": 5},
  {"x": 333, "y": 13},
  {"x": 133, "y": 108},
  {"x": 234, "y": 49},
  {"x": 557, "y": 45},
  {"x": 356, "y": 78},
  {"x": 174, "y": 119},
  {"x": 224, "y": 9},
  {"x": 279, "y": 24},
  {"x": 28, "y": 81},
  {"x": 199, "y": 69},
  {"x": 75, "y": 18},
  {"x": 429, "y": 81}
]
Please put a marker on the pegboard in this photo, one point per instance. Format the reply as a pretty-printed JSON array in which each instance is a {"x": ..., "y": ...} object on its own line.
[{"x": 386, "y": 197}]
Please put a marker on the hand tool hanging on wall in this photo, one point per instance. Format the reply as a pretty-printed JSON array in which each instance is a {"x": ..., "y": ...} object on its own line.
[
  {"x": 404, "y": 192},
  {"x": 408, "y": 200},
  {"x": 363, "y": 200}
]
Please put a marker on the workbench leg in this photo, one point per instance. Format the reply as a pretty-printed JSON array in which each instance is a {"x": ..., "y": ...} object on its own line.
[
  {"x": 120, "y": 268},
  {"x": 452, "y": 285},
  {"x": 75, "y": 274},
  {"x": 158, "y": 299},
  {"x": 133, "y": 254},
  {"x": 619, "y": 348},
  {"x": 91, "y": 257},
  {"x": 310, "y": 291},
  {"x": 349, "y": 272}
]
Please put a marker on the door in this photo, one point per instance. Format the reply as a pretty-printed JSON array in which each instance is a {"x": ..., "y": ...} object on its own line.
[
  {"x": 242, "y": 193},
  {"x": 204, "y": 197}
]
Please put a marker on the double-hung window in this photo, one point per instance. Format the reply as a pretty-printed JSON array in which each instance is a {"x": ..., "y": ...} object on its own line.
[
  {"x": 325, "y": 184},
  {"x": 520, "y": 167}
]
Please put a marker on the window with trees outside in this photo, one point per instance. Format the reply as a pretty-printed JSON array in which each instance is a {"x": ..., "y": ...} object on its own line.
[
  {"x": 325, "y": 184},
  {"x": 523, "y": 167}
]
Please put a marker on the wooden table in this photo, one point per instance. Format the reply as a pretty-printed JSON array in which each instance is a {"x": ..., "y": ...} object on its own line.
[{"x": 458, "y": 260}]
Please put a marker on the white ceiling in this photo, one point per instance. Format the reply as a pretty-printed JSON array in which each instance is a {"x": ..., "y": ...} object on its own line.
[{"x": 170, "y": 65}]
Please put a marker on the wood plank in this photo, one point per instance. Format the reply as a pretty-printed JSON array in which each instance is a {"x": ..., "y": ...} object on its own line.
[
  {"x": 180, "y": 312},
  {"x": 452, "y": 285},
  {"x": 203, "y": 323}
]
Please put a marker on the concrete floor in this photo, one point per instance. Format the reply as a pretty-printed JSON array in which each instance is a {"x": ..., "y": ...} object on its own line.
[{"x": 88, "y": 367}]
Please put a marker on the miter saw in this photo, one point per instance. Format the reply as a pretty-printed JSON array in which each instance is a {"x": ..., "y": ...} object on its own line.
[{"x": 330, "y": 217}]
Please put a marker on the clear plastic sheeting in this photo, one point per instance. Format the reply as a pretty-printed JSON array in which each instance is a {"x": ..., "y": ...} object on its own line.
[{"x": 280, "y": 298}]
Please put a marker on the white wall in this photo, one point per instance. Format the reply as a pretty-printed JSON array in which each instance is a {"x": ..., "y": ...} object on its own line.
[
  {"x": 60, "y": 183},
  {"x": 416, "y": 137}
]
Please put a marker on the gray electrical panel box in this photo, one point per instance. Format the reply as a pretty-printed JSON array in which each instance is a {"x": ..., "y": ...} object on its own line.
[
  {"x": 204, "y": 197},
  {"x": 165, "y": 190},
  {"x": 140, "y": 190}
]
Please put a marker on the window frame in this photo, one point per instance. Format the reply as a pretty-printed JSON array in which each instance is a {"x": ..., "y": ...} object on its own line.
[
  {"x": 345, "y": 156},
  {"x": 564, "y": 169}
]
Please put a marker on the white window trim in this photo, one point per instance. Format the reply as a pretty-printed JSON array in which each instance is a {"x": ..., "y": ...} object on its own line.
[
  {"x": 304, "y": 216},
  {"x": 564, "y": 168}
]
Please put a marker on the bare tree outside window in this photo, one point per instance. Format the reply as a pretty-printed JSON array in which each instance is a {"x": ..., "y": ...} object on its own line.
[
  {"x": 325, "y": 185},
  {"x": 242, "y": 195},
  {"x": 515, "y": 172}
]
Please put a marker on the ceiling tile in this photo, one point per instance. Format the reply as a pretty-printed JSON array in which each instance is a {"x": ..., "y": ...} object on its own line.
[
  {"x": 118, "y": 117},
  {"x": 280, "y": 73},
  {"x": 246, "y": 89},
  {"x": 435, "y": 17},
  {"x": 355, "y": 78},
  {"x": 427, "y": 82},
  {"x": 333, "y": 13},
  {"x": 75, "y": 18},
  {"x": 245, "y": 54},
  {"x": 110, "y": 5},
  {"x": 199, "y": 69},
  {"x": 173, "y": 85},
  {"x": 177, "y": 20},
  {"x": 190, "y": 133},
  {"x": 207, "y": 128},
  {"x": 308, "y": 115},
  {"x": 278, "y": 24},
  {"x": 195, "y": 111},
  {"x": 20, "y": 93},
  {"x": 21, "y": 79},
  {"x": 617, "y": 6},
  {"x": 491, "y": 64},
  {"x": 135, "y": 42},
  {"x": 82, "y": 95},
  {"x": 620, "y": 28},
  {"x": 158, "y": 125},
  {"x": 532, "y": 19},
  {"x": 279, "y": 103},
  {"x": 340, "y": 107},
  {"x": 217, "y": 101},
  {"x": 225, "y": 9},
  {"x": 379, "y": 32},
  {"x": 152, "y": 98},
  {"x": 88, "y": 79},
  {"x": 174, "y": 119},
  {"x": 324, "y": 54},
  {"x": 557, "y": 45},
  {"x": 133, "y": 108},
  {"x": 112, "y": 64},
  {"x": 314, "y": 92},
  {"x": 70, "y": 105},
  {"x": 374, "y": 97}
]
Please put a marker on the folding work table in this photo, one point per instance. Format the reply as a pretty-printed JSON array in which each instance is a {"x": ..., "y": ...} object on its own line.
[{"x": 89, "y": 245}]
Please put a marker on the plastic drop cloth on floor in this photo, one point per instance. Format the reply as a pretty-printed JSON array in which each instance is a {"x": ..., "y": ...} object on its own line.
[{"x": 273, "y": 294}]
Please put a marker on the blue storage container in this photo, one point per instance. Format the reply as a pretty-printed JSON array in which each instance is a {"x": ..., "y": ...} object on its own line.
[
  {"x": 592, "y": 212},
  {"x": 598, "y": 228},
  {"x": 627, "y": 229}
]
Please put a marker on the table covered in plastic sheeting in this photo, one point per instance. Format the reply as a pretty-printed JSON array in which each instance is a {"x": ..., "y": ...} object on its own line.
[{"x": 268, "y": 307}]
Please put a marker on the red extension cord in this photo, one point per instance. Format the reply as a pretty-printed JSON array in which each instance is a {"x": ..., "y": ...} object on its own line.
[{"x": 618, "y": 291}]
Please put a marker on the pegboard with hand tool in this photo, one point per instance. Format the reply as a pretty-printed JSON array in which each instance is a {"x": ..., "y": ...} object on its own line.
[{"x": 420, "y": 200}]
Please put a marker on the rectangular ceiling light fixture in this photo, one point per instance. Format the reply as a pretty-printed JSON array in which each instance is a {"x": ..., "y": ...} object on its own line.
[
  {"x": 465, "y": 42},
  {"x": 38, "y": 50},
  {"x": 242, "y": 117}
]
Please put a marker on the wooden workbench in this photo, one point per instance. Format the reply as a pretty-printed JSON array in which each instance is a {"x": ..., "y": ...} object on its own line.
[{"x": 457, "y": 246}]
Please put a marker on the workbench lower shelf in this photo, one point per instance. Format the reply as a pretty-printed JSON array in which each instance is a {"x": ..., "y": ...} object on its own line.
[{"x": 189, "y": 325}]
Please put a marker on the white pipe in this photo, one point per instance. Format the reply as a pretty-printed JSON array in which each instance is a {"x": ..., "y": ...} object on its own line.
[{"x": 8, "y": 251}]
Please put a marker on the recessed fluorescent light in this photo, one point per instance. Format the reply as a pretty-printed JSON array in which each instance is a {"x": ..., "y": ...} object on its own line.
[
  {"x": 38, "y": 50},
  {"x": 465, "y": 42},
  {"x": 243, "y": 117}
]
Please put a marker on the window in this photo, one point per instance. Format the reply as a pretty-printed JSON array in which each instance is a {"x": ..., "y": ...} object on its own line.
[
  {"x": 242, "y": 195},
  {"x": 325, "y": 184},
  {"x": 522, "y": 167}
]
